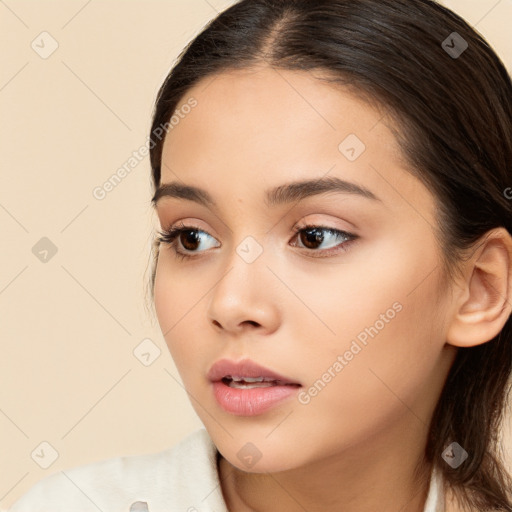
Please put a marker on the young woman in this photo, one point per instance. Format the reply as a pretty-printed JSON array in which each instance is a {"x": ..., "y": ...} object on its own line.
[{"x": 333, "y": 272}]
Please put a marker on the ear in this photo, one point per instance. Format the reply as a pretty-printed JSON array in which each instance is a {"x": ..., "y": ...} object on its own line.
[{"x": 483, "y": 303}]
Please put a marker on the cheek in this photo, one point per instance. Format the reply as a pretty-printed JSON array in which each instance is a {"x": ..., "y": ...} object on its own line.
[
  {"x": 351, "y": 295},
  {"x": 384, "y": 309},
  {"x": 164, "y": 295},
  {"x": 174, "y": 305},
  {"x": 177, "y": 291},
  {"x": 179, "y": 305}
]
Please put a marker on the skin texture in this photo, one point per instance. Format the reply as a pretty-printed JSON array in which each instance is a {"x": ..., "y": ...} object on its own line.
[{"x": 357, "y": 442}]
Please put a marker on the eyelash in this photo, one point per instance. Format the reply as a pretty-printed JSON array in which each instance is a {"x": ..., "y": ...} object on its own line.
[{"x": 171, "y": 236}]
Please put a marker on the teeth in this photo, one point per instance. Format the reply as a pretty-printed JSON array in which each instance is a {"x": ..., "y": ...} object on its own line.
[
  {"x": 249, "y": 382},
  {"x": 250, "y": 379},
  {"x": 243, "y": 385}
]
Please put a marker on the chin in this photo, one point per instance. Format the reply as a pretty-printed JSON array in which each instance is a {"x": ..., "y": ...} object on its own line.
[
  {"x": 259, "y": 455},
  {"x": 261, "y": 466}
]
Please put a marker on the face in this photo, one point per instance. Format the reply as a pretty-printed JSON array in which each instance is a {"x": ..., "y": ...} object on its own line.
[{"x": 336, "y": 289}]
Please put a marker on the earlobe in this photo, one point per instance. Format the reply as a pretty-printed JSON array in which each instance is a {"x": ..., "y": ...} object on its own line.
[{"x": 485, "y": 301}]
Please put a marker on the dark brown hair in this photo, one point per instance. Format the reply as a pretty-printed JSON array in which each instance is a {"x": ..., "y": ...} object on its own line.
[{"x": 453, "y": 108}]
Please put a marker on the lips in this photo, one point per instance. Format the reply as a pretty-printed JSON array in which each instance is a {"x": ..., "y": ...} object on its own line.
[
  {"x": 246, "y": 371},
  {"x": 244, "y": 388}
]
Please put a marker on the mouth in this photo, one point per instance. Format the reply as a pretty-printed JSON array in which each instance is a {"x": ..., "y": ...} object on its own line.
[
  {"x": 254, "y": 382},
  {"x": 245, "y": 388},
  {"x": 246, "y": 373}
]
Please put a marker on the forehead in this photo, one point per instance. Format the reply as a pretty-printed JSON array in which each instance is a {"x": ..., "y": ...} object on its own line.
[
  {"x": 257, "y": 128},
  {"x": 271, "y": 106}
]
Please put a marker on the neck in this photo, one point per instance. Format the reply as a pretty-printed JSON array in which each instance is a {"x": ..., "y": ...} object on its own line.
[{"x": 362, "y": 478}]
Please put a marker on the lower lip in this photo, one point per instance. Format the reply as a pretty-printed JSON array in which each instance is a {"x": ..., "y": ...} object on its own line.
[{"x": 250, "y": 402}]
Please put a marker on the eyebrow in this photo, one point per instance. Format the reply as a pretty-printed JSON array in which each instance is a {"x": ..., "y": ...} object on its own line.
[{"x": 282, "y": 194}]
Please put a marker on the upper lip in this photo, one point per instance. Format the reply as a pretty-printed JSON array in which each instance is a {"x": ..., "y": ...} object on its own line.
[{"x": 244, "y": 368}]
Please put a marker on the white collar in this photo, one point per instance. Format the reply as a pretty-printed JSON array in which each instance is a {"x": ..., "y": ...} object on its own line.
[
  {"x": 435, "y": 498},
  {"x": 435, "y": 501}
]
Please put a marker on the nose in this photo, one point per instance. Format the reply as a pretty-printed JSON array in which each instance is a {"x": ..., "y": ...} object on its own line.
[{"x": 246, "y": 297}]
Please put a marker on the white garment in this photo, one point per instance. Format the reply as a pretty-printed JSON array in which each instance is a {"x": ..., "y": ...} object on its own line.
[{"x": 183, "y": 478}]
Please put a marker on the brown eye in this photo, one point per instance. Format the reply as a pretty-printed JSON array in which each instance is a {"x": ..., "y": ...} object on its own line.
[
  {"x": 311, "y": 237},
  {"x": 189, "y": 239},
  {"x": 321, "y": 238},
  {"x": 185, "y": 240}
]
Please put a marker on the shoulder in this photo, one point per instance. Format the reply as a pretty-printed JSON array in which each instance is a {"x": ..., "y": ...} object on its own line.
[{"x": 172, "y": 477}]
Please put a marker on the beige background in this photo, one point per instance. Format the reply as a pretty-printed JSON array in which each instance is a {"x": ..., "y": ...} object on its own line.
[{"x": 69, "y": 326}]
